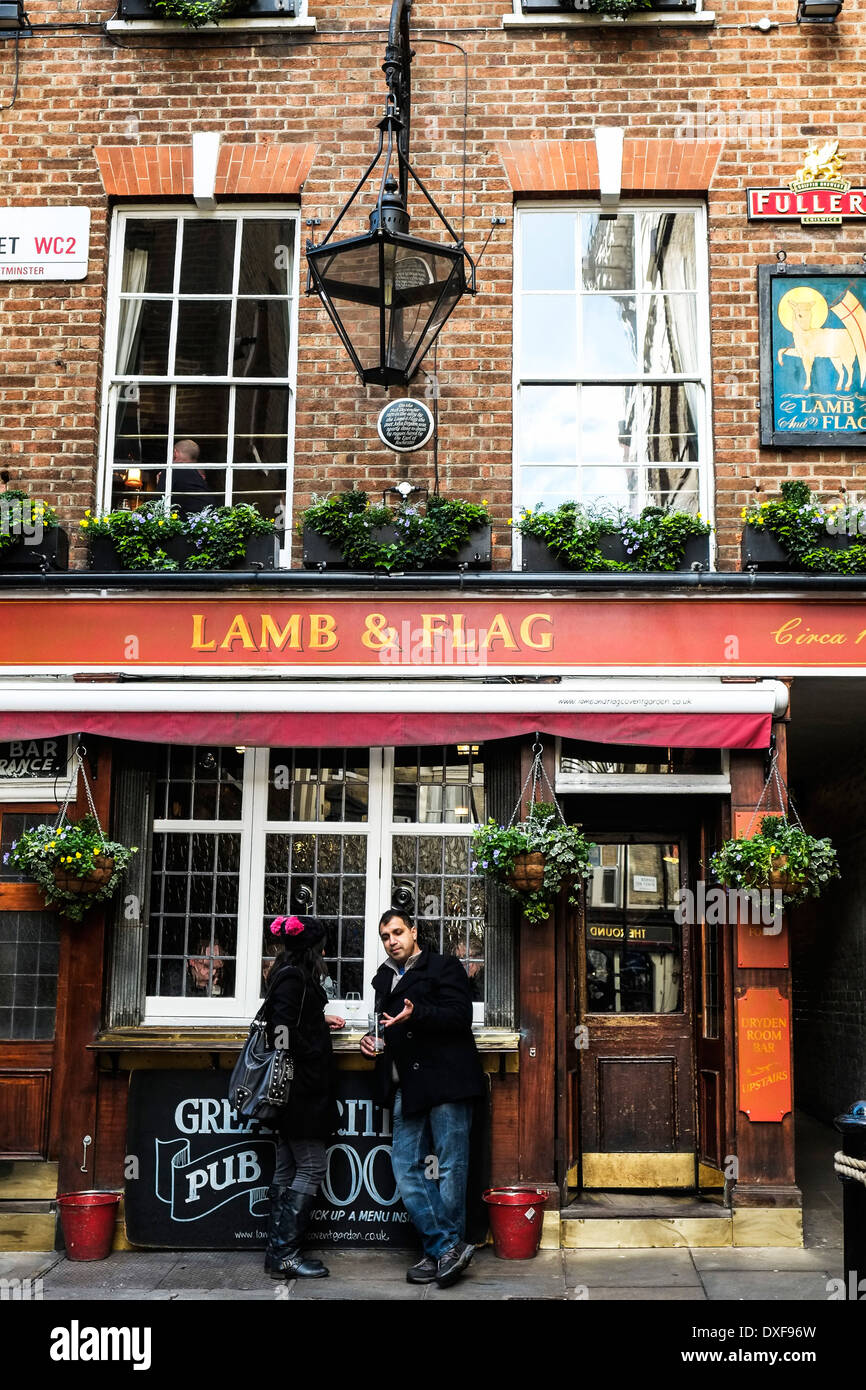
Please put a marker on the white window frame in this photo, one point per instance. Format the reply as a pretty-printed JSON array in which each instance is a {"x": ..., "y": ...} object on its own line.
[
  {"x": 701, "y": 377},
  {"x": 112, "y": 380},
  {"x": 253, "y": 826},
  {"x": 15, "y": 790}
]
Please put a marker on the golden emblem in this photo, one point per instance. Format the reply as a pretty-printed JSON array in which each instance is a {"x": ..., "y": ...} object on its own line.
[{"x": 821, "y": 162}]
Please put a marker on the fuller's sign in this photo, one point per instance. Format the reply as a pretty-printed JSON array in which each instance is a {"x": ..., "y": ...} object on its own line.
[
  {"x": 44, "y": 243},
  {"x": 818, "y": 193}
]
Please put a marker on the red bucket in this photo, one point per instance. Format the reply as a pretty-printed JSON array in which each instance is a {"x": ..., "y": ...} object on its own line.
[
  {"x": 87, "y": 1219},
  {"x": 516, "y": 1218}
]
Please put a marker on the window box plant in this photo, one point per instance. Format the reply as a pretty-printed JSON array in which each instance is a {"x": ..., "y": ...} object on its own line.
[
  {"x": 30, "y": 537},
  {"x": 73, "y": 864},
  {"x": 156, "y": 539},
  {"x": 346, "y": 531},
  {"x": 781, "y": 856},
  {"x": 533, "y": 859},
  {"x": 196, "y": 13},
  {"x": 658, "y": 540},
  {"x": 794, "y": 532}
]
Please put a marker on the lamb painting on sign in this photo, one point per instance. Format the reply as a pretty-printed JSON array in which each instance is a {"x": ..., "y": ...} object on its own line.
[{"x": 813, "y": 355}]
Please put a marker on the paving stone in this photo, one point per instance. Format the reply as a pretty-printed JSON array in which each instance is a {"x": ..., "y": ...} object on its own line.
[
  {"x": 672, "y": 1293},
  {"x": 124, "y": 1270},
  {"x": 215, "y": 1270},
  {"x": 28, "y": 1265},
  {"x": 630, "y": 1267},
  {"x": 769, "y": 1260},
  {"x": 344, "y": 1290},
  {"x": 746, "y": 1287}
]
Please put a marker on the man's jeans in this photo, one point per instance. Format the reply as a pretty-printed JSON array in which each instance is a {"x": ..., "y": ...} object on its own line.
[{"x": 433, "y": 1192}]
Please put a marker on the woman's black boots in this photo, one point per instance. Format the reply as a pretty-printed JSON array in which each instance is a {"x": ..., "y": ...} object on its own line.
[{"x": 290, "y": 1215}]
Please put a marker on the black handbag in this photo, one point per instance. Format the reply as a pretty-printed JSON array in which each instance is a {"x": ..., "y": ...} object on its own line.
[{"x": 262, "y": 1076}]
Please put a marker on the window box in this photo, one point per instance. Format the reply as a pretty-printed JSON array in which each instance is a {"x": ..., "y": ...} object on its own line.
[
  {"x": 52, "y": 552},
  {"x": 246, "y": 9},
  {"x": 262, "y": 553},
  {"x": 561, "y": 7},
  {"x": 761, "y": 549},
  {"x": 538, "y": 558},
  {"x": 319, "y": 553}
]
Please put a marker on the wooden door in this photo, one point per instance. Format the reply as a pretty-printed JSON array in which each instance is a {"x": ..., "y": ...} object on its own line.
[
  {"x": 634, "y": 996},
  {"x": 571, "y": 1035}
]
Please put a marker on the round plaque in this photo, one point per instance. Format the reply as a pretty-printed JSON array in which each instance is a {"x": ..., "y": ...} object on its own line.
[{"x": 405, "y": 425}]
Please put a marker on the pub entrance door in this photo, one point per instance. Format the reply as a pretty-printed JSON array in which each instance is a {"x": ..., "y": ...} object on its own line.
[{"x": 632, "y": 996}]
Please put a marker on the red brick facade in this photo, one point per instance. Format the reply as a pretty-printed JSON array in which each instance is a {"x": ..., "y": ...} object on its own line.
[{"x": 750, "y": 102}]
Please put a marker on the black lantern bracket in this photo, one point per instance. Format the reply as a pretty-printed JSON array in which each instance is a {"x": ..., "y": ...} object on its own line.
[{"x": 387, "y": 292}]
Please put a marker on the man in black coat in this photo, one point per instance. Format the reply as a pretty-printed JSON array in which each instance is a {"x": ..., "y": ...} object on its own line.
[{"x": 429, "y": 1074}]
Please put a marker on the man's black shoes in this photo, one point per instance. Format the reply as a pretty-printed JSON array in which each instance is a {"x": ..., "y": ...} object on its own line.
[
  {"x": 452, "y": 1264},
  {"x": 424, "y": 1272}
]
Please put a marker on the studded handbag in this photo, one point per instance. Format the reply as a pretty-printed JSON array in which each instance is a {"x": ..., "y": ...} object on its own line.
[{"x": 261, "y": 1080}]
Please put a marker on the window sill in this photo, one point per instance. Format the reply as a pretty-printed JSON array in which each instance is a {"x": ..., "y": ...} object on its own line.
[
  {"x": 306, "y": 25},
  {"x": 653, "y": 19},
  {"x": 151, "y": 1038}
]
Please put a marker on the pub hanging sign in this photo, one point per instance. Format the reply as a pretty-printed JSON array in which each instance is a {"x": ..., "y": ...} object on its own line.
[
  {"x": 813, "y": 355},
  {"x": 818, "y": 194}
]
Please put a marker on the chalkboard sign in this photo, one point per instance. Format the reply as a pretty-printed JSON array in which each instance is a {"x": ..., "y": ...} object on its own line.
[
  {"x": 197, "y": 1177},
  {"x": 405, "y": 425}
]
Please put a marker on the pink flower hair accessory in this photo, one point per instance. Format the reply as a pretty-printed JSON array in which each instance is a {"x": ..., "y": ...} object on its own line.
[{"x": 286, "y": 926}]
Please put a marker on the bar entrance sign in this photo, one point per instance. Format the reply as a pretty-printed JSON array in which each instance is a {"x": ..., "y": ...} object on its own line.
[
  {"x": 405, "y": 425},
  {"x": 44, "y": 243}
]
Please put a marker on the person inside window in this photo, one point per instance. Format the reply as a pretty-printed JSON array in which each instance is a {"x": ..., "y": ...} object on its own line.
[
  {"x": 189, "y": 487},
  {"x": 205, "y": 970}
]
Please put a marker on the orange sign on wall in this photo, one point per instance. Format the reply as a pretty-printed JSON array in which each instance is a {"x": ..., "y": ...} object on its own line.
[
  {"x": 385, "y": 633},
  {"x": 764, "y": 1054}
]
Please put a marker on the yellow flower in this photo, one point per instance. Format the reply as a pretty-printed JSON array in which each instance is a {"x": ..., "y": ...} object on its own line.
[
  {"x": 160, "y": 523},
  {"x": 95, "y": 850},
  {"x": 77, "y": 854},
  {"x": 699, "y": 516},
  {"x": 52, "y": 843},
  {"x": 87, "y": 513},
  {"x": 743, "y": 513},
  {"x": 84, "y": 525}
]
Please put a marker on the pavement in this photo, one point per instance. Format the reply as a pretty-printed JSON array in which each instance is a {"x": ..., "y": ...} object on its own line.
[
  {"x": 673, "y": 1275},
  {"x": 764, "y": 1275}
]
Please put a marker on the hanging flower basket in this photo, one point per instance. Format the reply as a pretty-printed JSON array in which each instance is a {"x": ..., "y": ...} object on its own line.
[
  {"x": 72, "y": 862},
  {"x": 527, "y": 876},
  {"x": 781, "y": 856},
  {"x": 535, "y": 857},
  {"x": 98, "y": 876}
]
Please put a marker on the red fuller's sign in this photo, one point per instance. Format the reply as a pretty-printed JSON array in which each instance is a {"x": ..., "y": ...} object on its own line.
[{"x": 818, "y": 193}]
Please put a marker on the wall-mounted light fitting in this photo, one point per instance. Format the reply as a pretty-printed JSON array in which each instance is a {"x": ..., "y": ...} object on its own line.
[
  {"x": 818, "y": 11},
  {"x": 13, "y": 20}
]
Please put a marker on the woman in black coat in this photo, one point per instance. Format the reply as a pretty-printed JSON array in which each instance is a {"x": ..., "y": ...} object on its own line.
[{"x": 294, "y": 1013}]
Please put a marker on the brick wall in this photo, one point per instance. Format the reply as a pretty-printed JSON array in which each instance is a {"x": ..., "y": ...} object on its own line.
[{"x": 767, "y": 97}]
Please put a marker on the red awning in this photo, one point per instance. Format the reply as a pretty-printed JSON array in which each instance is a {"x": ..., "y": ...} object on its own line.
[{"x": 364, "y": 728}]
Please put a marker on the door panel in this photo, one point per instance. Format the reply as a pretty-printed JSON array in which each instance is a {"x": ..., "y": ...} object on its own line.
[{"x": 633, "y": 990}]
